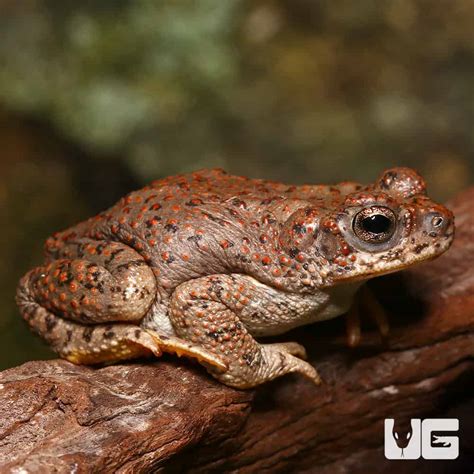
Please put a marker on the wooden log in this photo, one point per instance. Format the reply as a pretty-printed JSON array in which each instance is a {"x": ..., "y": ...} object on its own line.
[{"x": 170, "y": 416}]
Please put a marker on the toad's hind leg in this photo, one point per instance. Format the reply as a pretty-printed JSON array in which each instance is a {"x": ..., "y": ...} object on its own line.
[
  {"x": 90, "y": 344},
  {"x": 106, "y": 343},
  {"x": 88, "y": 303}
]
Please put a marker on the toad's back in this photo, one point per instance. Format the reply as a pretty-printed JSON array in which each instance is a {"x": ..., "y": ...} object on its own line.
[{"x": 205, "y": 222}]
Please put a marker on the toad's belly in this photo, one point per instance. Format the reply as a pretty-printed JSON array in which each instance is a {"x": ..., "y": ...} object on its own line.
[{"x": 278, "y": 312}]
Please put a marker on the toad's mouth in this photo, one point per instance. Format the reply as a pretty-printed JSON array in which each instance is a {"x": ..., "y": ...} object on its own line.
[{"x": 365, "y": 270}]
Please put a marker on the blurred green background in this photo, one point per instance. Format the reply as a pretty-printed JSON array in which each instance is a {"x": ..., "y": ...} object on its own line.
[{"x": 99, "y": 97}]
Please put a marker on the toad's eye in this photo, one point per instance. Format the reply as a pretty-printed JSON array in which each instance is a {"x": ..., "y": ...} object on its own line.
[{"x": 375, "y": 224}]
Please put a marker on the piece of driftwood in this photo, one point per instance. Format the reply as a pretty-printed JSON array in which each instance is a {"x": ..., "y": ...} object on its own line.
[{"x": 169, "y": 416}]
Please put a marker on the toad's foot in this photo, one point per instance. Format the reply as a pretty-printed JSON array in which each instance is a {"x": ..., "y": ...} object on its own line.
[
  {"x": 366, "y": 300},
  {"x": 174, "y": 345},
  {"x": 293, "y": 348},
  {"x": 114, "y": 343},
  {"x": 272, "y": 361},
  {"x": 89, "y": 344}
]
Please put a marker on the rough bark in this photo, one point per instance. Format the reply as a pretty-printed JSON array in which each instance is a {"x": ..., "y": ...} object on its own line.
[{"x": 170, "y": 416}]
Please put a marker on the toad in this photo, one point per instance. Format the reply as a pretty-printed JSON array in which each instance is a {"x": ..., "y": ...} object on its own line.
[{"x": 206, "y": 264}]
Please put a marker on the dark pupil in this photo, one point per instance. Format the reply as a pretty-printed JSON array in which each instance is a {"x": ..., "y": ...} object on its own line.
[{"x": 376, "y": 224}]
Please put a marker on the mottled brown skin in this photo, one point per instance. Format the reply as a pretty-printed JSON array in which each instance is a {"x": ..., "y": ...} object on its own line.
[{"x": 202, "y": 264}]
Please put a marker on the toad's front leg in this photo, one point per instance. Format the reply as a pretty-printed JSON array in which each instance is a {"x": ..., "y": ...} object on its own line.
[{"x": 212, "y": 312}]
